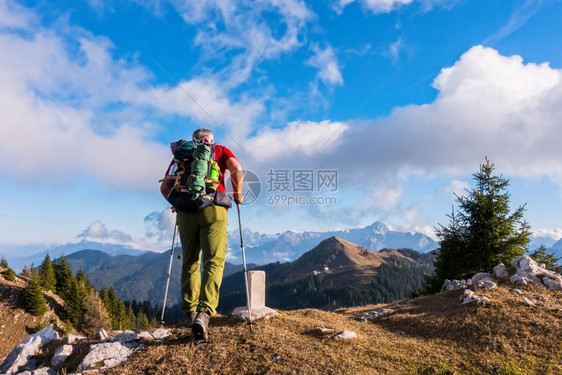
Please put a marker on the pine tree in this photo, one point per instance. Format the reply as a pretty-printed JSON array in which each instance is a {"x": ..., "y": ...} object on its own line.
[
  {"x": 26, "y": 272},
  {"x": 34, "y": 302},
  {"x": 549, "y": 260},
  {"x": 74, "y": 302},
  {"x": 142, "y": 320},
  {"x": 4, "y": 263},
  {"x": 47, "y": 274},
  {"x": 63, "y": 275},
  {"x": 131, "y": 316},
  {"x": 483, "y": 234}
]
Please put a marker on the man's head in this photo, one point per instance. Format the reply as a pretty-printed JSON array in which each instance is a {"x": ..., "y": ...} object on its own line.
[{"x": 202, "y": 134}]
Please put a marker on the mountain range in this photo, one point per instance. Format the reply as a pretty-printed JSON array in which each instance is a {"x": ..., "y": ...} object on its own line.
[
  {"x": 342, "y": 274},
  {"x": 335, "y": 273},
  {"x": 290, "y": 245},
  {"x": 135, "y": 277}
]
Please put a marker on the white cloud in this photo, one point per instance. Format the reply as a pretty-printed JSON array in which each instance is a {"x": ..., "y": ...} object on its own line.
[
  {"x": 298, "y": 137},
  {"x": 237, "y": 32},
  {"x": 519, "y": 17},
  {"x": 160, "y": 225},
  {"x": 554, "y": 233},
  {"x": 98, "y": 231},
  {"x": 56, "y": 85},
  {"x": 326, "y": 62},
  {"x": 387, "y": 6},
  {"x": 14, "y": 16},
  {"x": 487, "y": 105},
  {"x": 457, "y": 187}
]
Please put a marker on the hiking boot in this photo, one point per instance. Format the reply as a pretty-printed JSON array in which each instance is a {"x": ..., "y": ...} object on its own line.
[
  {"x": 190, "y": 318},
  {"x": 200, "y": 326}
]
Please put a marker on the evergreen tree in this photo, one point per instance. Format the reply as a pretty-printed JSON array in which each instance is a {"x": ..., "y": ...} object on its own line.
[
  {"x": 3, "y": 263},
  {"x": 26, "y": 272},
  {"x": 142, "y": 321},
  {"x": 9, "y": 274},
  {"x": 47, "y": 274},
  {"x": 131, "y": 316},
  {"x": 74, "y": 302},
  {"x": 34, "y": 302},
  {"x": 549, "y": 260},
  {"x": 63, "y": 275},
  {"x": 483, "y": 234}
]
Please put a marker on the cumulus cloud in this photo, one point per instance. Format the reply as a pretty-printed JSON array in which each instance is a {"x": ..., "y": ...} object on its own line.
[
  {"x": 326, "y": 62},
  {"x": 487, "y": 105},
  {"x": 57, "y": 83},
  {"x": 98, "y": 231}
]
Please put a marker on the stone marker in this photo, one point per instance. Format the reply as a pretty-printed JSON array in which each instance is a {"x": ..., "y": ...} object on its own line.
[
  {"x": 256, "y": 285},
  {"x": 256, "y": 281}
]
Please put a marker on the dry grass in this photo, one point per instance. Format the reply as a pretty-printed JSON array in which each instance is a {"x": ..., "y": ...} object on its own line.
[{"x": 428, "y": 335}]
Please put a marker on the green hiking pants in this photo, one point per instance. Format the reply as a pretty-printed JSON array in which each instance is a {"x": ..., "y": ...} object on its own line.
[{"x": 202, "y": 232}]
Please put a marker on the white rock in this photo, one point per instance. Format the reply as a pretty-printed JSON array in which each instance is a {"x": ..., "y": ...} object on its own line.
[
  {"x": 500, "y": 271},
  {"x": 345, "y": 335},
  {"x": 71, "y": 339},
  {"x": 323, "y": 330},
  {"x": 161, "y": 333},
  {"x": 481, "y": 276},
  {"x": 41, "y": 371},
  {"x": 111, "y": 354},
  {"x": 518, "y": 292},
  {"x": 450, "y": 285},
  {"x": 20, "y": 355},
  {"x": 519, "y": 279},
  {"x": 485, "y": 284},
  {"x": 101, "y": 334},
  {"x": 61, "y": 354},
  {"x": 469, "y": 296},
  {"x": 553, "y": 283},
  {"x": 527, "y": 302},
  {"x": 145, "y": 336},
  {"x": 372, "y": 315},
  {"x": 241, "y": 313},
  {"x": 125, "y": 337}
]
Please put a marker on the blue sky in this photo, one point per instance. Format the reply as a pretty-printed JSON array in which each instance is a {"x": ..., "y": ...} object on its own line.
[{"x": 403, "y": 98}]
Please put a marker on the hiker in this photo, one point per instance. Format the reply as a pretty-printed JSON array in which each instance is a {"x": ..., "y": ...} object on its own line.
[{"x": 203, "y": 230}]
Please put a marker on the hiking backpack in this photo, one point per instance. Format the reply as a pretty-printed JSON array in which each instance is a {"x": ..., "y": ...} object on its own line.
[{"x": 194, "y": 176}]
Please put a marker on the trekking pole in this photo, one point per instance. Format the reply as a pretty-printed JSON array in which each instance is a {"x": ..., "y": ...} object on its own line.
[
  {"x": 245, "y": 270},
  {"x": 169, "y": 272}
]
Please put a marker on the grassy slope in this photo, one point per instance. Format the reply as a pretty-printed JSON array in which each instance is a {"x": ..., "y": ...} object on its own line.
[
  {"x": 16, "y": 324},
  {"x": 428, "y": 335}
]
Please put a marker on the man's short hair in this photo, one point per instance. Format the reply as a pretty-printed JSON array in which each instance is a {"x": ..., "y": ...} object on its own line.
[{"x": 202, "y": 132}]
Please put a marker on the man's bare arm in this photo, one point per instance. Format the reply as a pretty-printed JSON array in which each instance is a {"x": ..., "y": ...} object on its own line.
[{"x": 237, "y": 178}]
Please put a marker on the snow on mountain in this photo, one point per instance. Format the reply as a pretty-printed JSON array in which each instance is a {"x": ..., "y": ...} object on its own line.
[{"x": 289, "y": 245}]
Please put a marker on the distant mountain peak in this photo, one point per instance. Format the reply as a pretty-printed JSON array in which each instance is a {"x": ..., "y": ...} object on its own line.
[{"x": 379, "y": 227}]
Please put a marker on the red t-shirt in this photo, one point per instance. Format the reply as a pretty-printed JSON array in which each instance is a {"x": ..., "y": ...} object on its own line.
[{"x": 222, "y": 154}]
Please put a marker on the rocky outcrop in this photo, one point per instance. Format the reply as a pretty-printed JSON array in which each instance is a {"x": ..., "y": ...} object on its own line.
[
  {"x": 100, "y": 355},
  {"x": 527, "y": 271},
  {"x": 373, "y": 315},
  {"x": 19, "y": 359},
  {"x": 469, "y": 296}
]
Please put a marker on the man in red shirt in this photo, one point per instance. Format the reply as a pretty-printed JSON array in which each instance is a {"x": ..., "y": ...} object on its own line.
[{"x": 205, "y": 232}]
